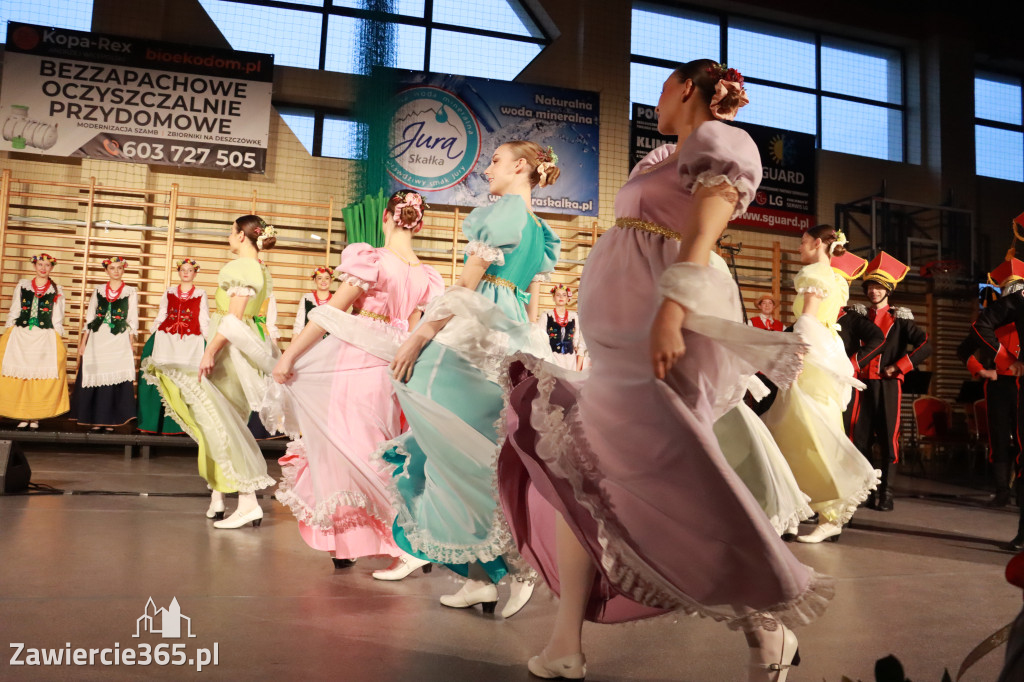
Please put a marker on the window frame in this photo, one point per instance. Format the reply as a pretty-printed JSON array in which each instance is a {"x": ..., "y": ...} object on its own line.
[
  {"x": 819, "y": 37},
  {"x": 327, "y": 10},
  {"x": 979, "y": 74}
]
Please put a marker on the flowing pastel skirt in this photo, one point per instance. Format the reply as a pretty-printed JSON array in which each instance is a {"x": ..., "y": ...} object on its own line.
[
  {"x": 214, "y": 411},
  {"x": 342, "y": 403},
  {"x": 632, "y": 462},
  {"x": 164, "y": 348},
  {"x": 34, "y": 393},
  {"x": 807, "y": 423},
  {"x": 444, "y": 466}
]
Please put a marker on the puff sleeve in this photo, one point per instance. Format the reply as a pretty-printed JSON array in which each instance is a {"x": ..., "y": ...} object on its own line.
[
  {"x": 58, "y": 311},
  {"x": 359, "y": 266},
  {"x": 434, "y": 288},
  {"x": 133, "y": 311},
  {"x": 717, "y": 153},
  {"x": 817, "y": 279},
  {"x": 242, "y": 277},
  {"x": 552, "y": 249},
  {"x": 12, "y": 313},
  {"x": 653, "y": 158},
  {"x": 161, "y": 313},
  {"x": 492, "y": 231}
]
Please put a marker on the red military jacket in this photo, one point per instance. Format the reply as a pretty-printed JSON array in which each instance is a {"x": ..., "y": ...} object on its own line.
[
  {"x": 897, "y": 324},
  {"x": 1008, "y": 339}
]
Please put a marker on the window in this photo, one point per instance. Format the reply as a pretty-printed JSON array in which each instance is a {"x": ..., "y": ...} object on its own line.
[
  {"x": 322, "y": 132},
  {"x": 848, "y": 94},
  {"x": 998, "y": 126},
  {"x": 71, "y": 14},
  {"x": 487, "y": 38}
]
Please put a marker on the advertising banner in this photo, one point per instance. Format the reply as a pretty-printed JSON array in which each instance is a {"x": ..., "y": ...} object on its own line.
[
  {"x": 73, "y": 93},
  {"x": 786, "y": 199},
  {"x": 444, "y": 130}
]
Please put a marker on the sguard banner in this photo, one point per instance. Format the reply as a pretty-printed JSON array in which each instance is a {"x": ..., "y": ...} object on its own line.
[{"x": 74, "y": 93}]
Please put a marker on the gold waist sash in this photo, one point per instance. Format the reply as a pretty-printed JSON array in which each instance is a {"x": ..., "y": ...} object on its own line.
[
  {"x": 498, "y": 281},
  {"x": 376, "y": 316},
  {"x": 644, "y": 226}
]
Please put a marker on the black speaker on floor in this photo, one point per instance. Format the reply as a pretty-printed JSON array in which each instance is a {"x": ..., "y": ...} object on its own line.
[{"x": 15, "y": 473}]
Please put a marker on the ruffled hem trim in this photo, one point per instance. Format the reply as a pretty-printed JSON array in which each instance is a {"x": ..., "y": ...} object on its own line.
[
  {"x": 496, "y": 544},
  {"x": 563, "y": 447},
  {"x": 240, "y": 291},
  {"x": 841, "y": 511},
  {"x": 108, "y": 378},
  {"x": 322, "y": 516},
  {"x": 352, "y": 280},
  {"x": 742, "y": 186},
  {"x": 542, "y": 277},
  {"x": 491, "y": 254},
  {"x": 816, "y": 291},
  {"x": 195, "y": 396},
  {"x": 32, "y": 373}
]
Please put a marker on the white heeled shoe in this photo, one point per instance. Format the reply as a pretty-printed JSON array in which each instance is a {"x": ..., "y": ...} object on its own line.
[
  {"x": 405, "y": 565},
  {"x": 472, "y": 593},
  {"x": 216, "y": 508},
  {"x": 34, "y": 425},
  {"x": 776, "y": 670},
  {"x": 522, "y": 590},
  {"x": 22, "y": 425},
  {"x": 572, "y": 667},
  {"x": 824, "y": 531},
  {"x": 240, "y": 518}
]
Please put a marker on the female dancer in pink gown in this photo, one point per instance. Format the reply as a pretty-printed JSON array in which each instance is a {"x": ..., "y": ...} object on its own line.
[
  {"x": 340, "y": 396},
  {"x": 615, "y": 489}
]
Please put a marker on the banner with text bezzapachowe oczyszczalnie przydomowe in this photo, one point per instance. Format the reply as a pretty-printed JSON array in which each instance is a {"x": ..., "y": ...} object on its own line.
[{"x": 80, "y": 94}]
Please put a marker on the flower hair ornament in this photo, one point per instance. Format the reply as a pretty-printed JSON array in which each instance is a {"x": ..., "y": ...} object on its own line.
[
  {"x": 321, "y": 270},
  {"x": 189, "y": 261},
  {"x": 414, "y": 201},
  {"x": 548, "y": 159},
  {"x": 730, "y": 95},
  {"x": 564, "y": 289},
  {"x": 107, "y": 262},
  {"x": 840, "y": 241},
  {"x": 45, "y": 258},
  {"x": 263, "y": 231}
]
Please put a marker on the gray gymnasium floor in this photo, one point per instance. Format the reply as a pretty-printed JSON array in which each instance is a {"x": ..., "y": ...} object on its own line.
[{"x": 924, "y": 582}]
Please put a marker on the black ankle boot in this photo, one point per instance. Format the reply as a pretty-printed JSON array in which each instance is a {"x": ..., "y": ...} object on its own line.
[{"x": 343, "y": 563}]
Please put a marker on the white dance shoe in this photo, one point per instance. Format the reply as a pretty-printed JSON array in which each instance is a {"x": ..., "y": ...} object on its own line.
[
  {"x": 22, "y": 425},
  {"x": 33, "y": 425},
  {"x": 402, "y": 567},
  {"x": 572, "y": 667},
  {"x": 216, "y": 508},
  {"x": 824, "y": 531},
  {"x": 240, "y": 518},
  {"x": 472, "y": 593},
  {"x": 784, "y": 658},
  {"x": 522, "y": 590}
]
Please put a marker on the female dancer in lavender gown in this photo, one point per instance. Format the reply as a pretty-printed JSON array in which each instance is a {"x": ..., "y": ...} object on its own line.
[
  {"x": 343, "y": 402},
  {"x": 615, "y": 488}
]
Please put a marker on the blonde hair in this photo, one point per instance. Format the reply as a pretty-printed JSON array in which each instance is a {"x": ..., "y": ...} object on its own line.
[{"x": 543, "y": 171}]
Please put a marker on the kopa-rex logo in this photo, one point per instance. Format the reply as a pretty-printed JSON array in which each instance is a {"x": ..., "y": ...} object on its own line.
[{"x": 434, "y": 141}]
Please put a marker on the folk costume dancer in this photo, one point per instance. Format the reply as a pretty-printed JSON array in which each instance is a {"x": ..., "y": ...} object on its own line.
[
  {"x": 561, "y": 327},
  {"x": 447, "y": 376},
  {"x": 338, "y": 390},
  {"x": 807, "y": 419},
  {"x": 614, "y": 487},
  {"x": 766, "y": 319},
  {"x": 104, "y": 395},
  {"x": 179, "y": 336},
  {"x": 212, "y": 401},
  {"x": 33, "y": 358},
  {"x": 876, "y": 410},
  {"x": 322, "y": 278}
]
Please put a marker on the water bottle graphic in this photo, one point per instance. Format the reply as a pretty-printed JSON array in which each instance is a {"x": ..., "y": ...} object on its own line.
[{"x": 21, "y": 131}]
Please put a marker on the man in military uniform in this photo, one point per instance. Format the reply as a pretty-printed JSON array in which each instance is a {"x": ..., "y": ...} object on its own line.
[
  {"x": 875, "y": 418},
  {"x": 1000, "y": 384}
]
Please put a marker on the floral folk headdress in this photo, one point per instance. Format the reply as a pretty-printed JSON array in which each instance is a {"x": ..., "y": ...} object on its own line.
[
  {"x": 114, "y": 259},
  {"x": 561, "y": 287},
  {"x": 45, "y": 257},
  {"x": 730, "y": 95},
  {"x": 190, "y": 261},
  {"x": 412, "y": 200},
  {"x": 840, "y": 241},
  {"x": 262, "y": 231},
  {"x": 320, "y": 270}
]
